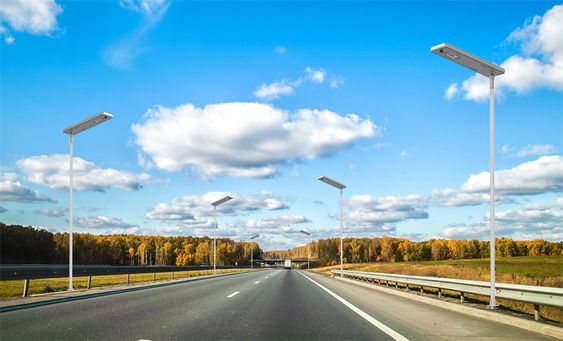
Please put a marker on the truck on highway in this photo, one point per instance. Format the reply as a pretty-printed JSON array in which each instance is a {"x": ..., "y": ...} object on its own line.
[{"x": 287, "y": 264}]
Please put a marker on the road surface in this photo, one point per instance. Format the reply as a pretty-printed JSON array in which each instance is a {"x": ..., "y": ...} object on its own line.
[{"x": 270, "y": 304}]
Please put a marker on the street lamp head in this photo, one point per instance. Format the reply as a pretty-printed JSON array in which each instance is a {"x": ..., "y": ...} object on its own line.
[
  {"x": 332, "y": 182},
  {"x": 466, "y": 59},
  {"x": 305, "y": 232},
  {"x": 88, "y": 123},
  {"x": 254, "y": 237},
  {"x": 221, "y": 201}
]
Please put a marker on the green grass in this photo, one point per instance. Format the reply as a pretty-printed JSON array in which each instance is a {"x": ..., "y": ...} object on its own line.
[{"x": 14, "y": 288}]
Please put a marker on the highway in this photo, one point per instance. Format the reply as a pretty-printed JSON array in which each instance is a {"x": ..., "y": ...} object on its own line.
[{"x": 270, "y": 304}]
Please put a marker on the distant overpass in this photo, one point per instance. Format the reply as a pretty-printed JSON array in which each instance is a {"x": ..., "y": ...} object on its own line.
[{"x": 280, "y": 262}]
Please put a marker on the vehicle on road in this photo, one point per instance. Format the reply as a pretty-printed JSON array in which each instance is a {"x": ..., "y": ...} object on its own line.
[{"x": 287, "y": 264}]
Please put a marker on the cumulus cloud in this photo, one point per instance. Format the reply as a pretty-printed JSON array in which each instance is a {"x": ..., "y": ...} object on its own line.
[
  {"x": 242, "y": 139},
  {"x": 53, "y": 171},
  {"x": 532, "y": 221},
  {"x": 451, "y": 91},
  {"x": 11, "y": 189},
  {"x": 282, "y": 223},
  {"x": 539, "y": 176},
  {"x": 539, "y": 64},
  {"x": 287, "y": 87},
  {"x": 371, "y": 211},
  {"x": 101, "y": 222},
  {"x": 274, "y": 90},
  {"x": 529, "y": 150},
  {"x": 37, "y": 17},
  {"x": 122, "y": 53},
  {"x": 52, "y": 213},
  {"x": 196, "y": 210}
]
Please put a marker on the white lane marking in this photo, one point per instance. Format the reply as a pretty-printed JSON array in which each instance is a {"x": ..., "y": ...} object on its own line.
[
  {"x": 256, "y": 282},
  {"x": 266, "y": 277},
  {"x": 358, "y": 311},
  {"x": 234, "y": 294}
]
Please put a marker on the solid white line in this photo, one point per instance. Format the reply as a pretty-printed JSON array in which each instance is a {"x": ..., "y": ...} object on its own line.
[
  {"x": 358, "y": 311},
  {"x": 233, "y": 294},
  {"x": 256, "y": 282}
]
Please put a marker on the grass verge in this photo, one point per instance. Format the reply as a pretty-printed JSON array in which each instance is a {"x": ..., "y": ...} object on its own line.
[
  {"x": 14, "y": 288},
  {"x": 540, "y": 270}
]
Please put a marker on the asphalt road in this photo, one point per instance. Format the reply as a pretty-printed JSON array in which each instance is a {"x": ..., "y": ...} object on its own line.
[{"x": 271, "y": 304}]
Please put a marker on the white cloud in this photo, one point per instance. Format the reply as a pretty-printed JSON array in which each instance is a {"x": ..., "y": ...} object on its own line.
[
  {"x": 101, "y": 222},
  {"x": 9, "y": 40},
  {"x": 11, "y": 189},
  {"x": 371, "y": 211},
  {"x": 53, "y": 213},
  {"x": 287, "y": 87},
  {"x": 280, "y": 224},
  {"x": 540, "y": 64},
  {"x": 315, "y": 76},
  {"x": 53, "y": 171},
  {"x": 539, "y": 176},
  {"x": 280, "y": 49},
  {"x": 243, "y": 139},
  {"x": 404, "y": 153},
  {"x": 152, "y": 9},
  {"x": 274, "y": 90},
  {"x": 533, "y": 221},
  {"x": 121, "y": 54},
  {"x": 451, "y": 91},
  {"x": 37, "y": 17},
  {"x": 196, "y": 210},
  {"x": 529, "y": 150}
]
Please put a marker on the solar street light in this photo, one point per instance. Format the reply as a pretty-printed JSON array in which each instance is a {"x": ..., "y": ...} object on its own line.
[
  {"x": 489, "y": 70},
  {"x": 340, "y": 186},
  {"x": 215, "y": 204},
  {"x": 71, "y": 131}
]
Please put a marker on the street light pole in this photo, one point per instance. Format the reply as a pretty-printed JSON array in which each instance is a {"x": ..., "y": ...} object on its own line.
[
  {"x": 488, "y": 70},
  {"x": 215, "y": 204},
  {"x": 71, "y": 131},
  {"x": 71, "y": 210},
  {"x": 341, "y": 187},
  {"x": 252, "y": 251},
  {"x": 308, "y": 250},
  {"x": 492, "y": 300}
]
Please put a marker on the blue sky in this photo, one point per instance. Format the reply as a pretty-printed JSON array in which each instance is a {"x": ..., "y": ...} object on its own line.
[{"x": 258, "y": 99}]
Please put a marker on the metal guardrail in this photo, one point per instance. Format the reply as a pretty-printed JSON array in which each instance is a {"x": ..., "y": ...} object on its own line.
[{"x": 524, "y": 293}]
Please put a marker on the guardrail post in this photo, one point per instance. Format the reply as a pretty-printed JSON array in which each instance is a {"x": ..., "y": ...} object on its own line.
[
  {"x": 537, "y": 315},
  {"x": 154, "y": 277},
  {"x": 172, "y": 274},
  {"x": 89, "y": 282},
  {"x": 439, "y": 292},
  {"x": 396, "y": 285},
  {"x": 462, "y": 297},
  {"x": 127, "y": 279},
  {"x": 408, "y": 287},
  {"x": 421, "y": 290},
  {"x": 25, "y": 287}
]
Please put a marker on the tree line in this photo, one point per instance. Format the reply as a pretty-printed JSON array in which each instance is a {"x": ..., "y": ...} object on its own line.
[
  {"x": 29, "y": 245},
  {"x": 388, "y": 249}
]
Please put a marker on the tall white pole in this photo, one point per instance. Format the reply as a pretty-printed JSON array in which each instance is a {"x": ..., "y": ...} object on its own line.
[
  {"x": 492, "y": 302},
  {"x": 341, "y": 238},
  {"x": 308, "y": 256},
  {"x": 252, "y": 256},
  {"x": 214, "y": 242},
  {"x": 71, "y": 212}
]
